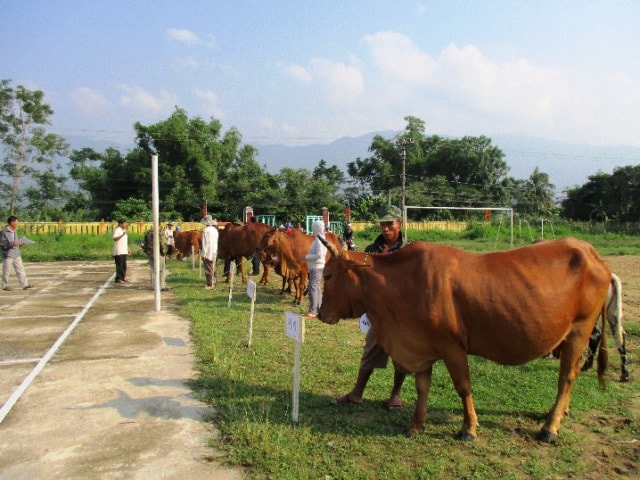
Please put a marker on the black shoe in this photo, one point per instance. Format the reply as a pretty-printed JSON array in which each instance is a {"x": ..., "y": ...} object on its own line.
[
  {"x": 8, "y": 289},
  {"x": 26, "y": 287}
]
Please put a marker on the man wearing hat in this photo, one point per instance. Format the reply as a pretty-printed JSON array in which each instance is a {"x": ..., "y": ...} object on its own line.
[
  {"x": 373, "y": 356},
  {"x": 209, "y": 252}
]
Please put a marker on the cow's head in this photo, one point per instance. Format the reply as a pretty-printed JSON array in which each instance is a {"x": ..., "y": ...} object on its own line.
[{"x": 342, "y": 296}]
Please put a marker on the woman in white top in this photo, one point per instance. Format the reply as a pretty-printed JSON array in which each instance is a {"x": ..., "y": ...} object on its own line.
[{"x": 316, "y": 259}]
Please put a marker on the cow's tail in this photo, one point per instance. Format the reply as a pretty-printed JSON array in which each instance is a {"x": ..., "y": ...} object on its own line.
[
  {"x": 614, "y": 311},
  {"x": 603, "y": 356}
]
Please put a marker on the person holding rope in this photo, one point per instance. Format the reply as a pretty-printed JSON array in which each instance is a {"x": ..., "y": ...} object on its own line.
[{"x": 373, "y": 356}]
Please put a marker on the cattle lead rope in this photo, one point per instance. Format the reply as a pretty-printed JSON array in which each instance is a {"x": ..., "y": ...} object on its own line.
[{"x": 364, "y": 280}]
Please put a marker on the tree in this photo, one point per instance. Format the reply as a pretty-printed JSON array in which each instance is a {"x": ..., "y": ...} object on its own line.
[
  {"x": 26, "y": 141},
  {"x": 438, "y": 171},
  {"x": 48, "y": 197},
  {"x": 534, "y": 196}
]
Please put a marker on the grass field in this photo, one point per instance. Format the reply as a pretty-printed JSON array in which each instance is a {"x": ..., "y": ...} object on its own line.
[{"x": 250, "y": 389}]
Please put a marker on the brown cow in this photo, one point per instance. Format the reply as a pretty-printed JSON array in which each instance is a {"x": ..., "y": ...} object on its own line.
[
  {"x": 185, "y": 240},
  {"x": 286, "y": 251},
  {"x": 428, "y": 302},
  {"x": 236, "y": 242}
]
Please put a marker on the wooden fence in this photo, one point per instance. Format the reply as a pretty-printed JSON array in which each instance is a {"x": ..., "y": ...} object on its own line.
[
  {"x": 104, "y": 228},
  {"x": 96, "y": 228}
]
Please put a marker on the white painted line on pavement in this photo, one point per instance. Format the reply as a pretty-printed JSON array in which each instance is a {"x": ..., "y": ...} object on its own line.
[
  {"x": 18, "y": 362},
  {"x": 38, "y": 316},
  {"x": 15, "y": 396}
]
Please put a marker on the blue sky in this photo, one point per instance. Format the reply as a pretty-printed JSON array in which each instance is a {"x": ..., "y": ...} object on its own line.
[{"x": 304, "y": 72}]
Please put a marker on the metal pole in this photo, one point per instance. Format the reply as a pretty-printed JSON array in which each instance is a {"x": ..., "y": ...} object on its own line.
[
  {"x": 405, "y": 142},
  {"x": 155, "y": 208}
]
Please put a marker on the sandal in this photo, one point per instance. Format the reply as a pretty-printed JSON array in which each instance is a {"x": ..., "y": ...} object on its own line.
[
  {"x": 394, "y": 403},
  {"x": 345, "y": 400}
]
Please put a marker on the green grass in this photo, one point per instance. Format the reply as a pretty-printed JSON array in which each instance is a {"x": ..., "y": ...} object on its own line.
[
  {"x": 60, "y": 247},
  {"x": 250, "y": 389}
]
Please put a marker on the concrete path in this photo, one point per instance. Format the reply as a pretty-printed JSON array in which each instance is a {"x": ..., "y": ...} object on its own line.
[{"x": 112, "y": 402}]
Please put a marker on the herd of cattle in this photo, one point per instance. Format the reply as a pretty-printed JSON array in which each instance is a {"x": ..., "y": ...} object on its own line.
[
  {"x": 278, "y": 250},
  {"x": 430, "y": 302}
]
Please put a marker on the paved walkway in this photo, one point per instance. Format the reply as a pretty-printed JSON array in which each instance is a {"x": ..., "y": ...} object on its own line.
[{"x": 112, "y": 401}]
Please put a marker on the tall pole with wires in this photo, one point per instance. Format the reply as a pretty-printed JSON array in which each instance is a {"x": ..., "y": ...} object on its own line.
[{"x": 405, "y": 142}]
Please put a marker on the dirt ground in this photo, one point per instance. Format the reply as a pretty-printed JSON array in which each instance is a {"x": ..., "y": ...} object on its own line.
[
  {"x": 615, "y": 459},
  {"x": 113, "y": 401}
]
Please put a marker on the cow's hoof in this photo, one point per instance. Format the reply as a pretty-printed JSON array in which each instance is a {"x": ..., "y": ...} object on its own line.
[
  {"x": 465, "y": 436},
  {"x": 624, "y": 378},
  {"x": 546, "y": 436},
  {"x": 412, "y": 432}
]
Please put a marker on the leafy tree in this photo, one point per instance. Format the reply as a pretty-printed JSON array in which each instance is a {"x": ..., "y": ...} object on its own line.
[
  {"x": 48, "y": 197},
  {"x": 26, "y": 142},
  {"x": 534, "y": 196},
  {"x": 437, "y": 171}
]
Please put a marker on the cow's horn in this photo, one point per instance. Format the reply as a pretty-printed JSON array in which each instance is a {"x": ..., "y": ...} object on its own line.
[{"x": 330, "y": 246}]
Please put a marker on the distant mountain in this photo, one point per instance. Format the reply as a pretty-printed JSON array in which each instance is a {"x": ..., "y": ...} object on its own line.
[
  {"x": 566, "y": 164},
  {"x": 339, "y": 153}
]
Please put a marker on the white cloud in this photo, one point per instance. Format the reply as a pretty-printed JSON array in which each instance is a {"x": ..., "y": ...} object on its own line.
[
  {"x": 399, "y": 58},
  {"x": 299, "y": 73},
  {"x": 211, "y": 101},
  {"x": 340, "y": 82},
  {"x": 138, "y": 100},
  {"x": 190, "y": 38},
  {"x": 90, "y": 102},
  {"x": 463, "y": 91}
]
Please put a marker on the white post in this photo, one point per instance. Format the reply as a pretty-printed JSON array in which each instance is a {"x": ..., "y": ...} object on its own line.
[
  {"x": 251, "y": 292},
  {"x": 155, "y": 207},
  {"x": 193, "y": 260},
  {"x": 232, "y": 276},
  {"x": 296, "y": 383}
]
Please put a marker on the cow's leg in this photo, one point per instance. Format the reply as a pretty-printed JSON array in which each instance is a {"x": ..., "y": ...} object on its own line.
[
  {"x": 594, "y": 341},
  {"x": 297, "y": 284},
  {"x": 458, "y": 366},
  {"x": 240, "y": 265},
  {"x": 622, "y": 349},
  {"x": 569, "y": 370},
  {"x": 265, "y": 274},
  {"x": 423, "y": 384}
]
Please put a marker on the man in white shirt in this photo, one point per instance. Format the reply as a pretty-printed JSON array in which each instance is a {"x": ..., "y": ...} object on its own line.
[
  {"x": 209, "y": 252},
  {"x": 168, "y": 234},
  {"x": 121, "y": 250}
]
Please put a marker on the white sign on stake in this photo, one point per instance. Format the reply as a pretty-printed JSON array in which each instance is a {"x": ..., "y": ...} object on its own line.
[
  {"x": 232, "y": 274},
  {"x": 294, "y": 327},
  {"x": 251, "y": 289},
  {"x": 251, "y": 292}
]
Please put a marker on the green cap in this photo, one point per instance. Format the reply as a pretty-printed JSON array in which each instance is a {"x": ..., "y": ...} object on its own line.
[{"x": 390, "y": 213}]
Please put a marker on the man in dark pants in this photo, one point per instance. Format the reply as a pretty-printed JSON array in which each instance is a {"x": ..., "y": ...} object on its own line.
[
  {"x": 255, "y": 260},
  {"x": 373, "y": 356},
  {"x": 121, "y": 251}
]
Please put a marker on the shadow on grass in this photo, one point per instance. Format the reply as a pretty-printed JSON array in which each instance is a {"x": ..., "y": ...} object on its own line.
[{"x": 237, "y": 401}]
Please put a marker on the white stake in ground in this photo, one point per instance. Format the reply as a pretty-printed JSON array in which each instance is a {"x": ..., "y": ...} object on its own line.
[
  {"x": 251, "y": 292},
  {"x": 294, "y": 328},
  {"x": 232, "y": 276}
]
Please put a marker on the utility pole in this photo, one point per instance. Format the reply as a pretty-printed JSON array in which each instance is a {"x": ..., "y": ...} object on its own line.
[{"x": 405, "y": 142}]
